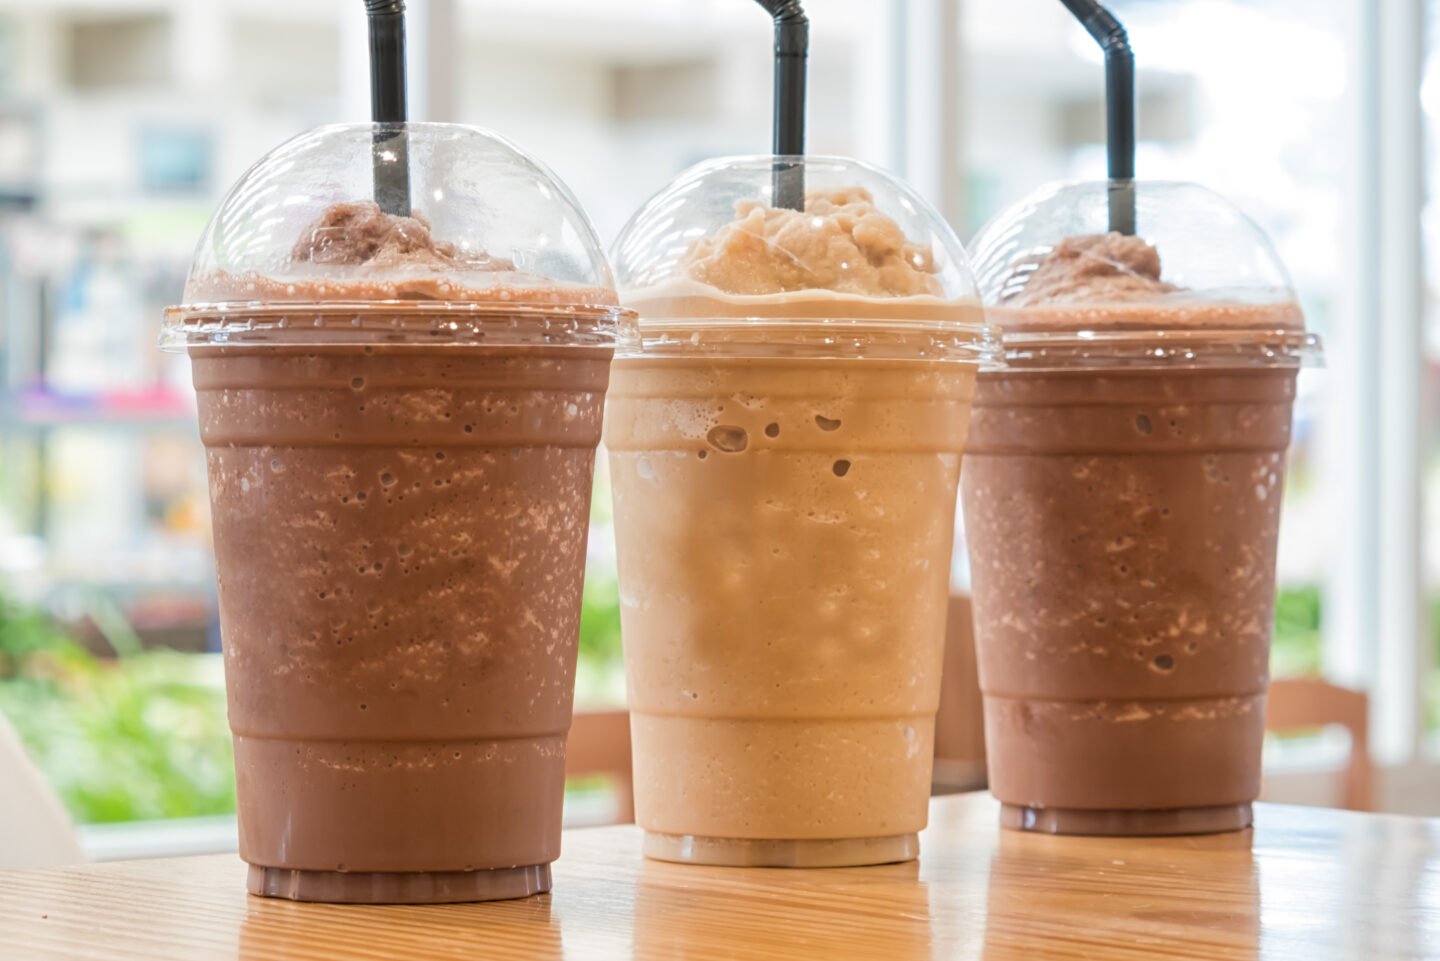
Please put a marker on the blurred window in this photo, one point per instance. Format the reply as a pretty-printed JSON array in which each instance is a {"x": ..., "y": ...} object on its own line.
[{"x": 120, "y": 131}]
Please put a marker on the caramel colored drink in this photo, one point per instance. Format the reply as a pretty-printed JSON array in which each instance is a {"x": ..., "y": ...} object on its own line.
[
  {"x": 1122, "y": 514},
  {"x": 772, "y": 512},
  {"x": 784, "y": 469}
]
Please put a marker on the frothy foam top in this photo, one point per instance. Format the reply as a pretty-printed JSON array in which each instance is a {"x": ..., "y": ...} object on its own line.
[
  {"x": 1110, "y": 268},
  {"x": 319, "y": 288},
  {"x": 840, "y": 259},
  {"x": 839, "y": 243},
  {"x": 1114, "y": 282},
  {"x": 355, "y": 252},
  {"x": 691, "y": 300},
  {"x": 355, "y": 234},
  {"x": 1182, "y": 310}
]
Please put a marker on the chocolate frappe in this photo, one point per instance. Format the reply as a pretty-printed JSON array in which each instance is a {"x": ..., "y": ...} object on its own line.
[
  {"x": 400, "y": 436},
  {"x": 1122, "y": 503},
  {"x": 399, "y": 538}
]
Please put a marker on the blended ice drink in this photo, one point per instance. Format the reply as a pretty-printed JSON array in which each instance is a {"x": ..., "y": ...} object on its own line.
[
  {"x": 400, "y": 414},
  {"x": 1122, "y": 499},
  {"x": 785, "y": 442}
]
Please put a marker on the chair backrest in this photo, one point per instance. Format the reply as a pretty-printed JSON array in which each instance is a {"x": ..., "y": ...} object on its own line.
[
  {"x": 599, "y": 743},
  {"x": 35, "y": 832},
  {"x": 960, "y": 723},
  {"x": 1301, "y": 703}
]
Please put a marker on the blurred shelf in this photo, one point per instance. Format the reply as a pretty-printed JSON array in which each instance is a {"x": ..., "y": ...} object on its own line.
[
  {"x": 30, "y": 410},
  {"x": 193, "y": 580}
]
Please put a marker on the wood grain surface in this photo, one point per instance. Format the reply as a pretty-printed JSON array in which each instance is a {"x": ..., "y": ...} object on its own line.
[{"x": 1306, "y": 884}]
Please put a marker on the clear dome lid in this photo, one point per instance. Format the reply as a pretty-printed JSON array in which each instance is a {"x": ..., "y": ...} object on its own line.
[
  {"x": 711, "y": 250},
  {"x": 489, "y": 230},
  {"x": 1197, "y": 275}
]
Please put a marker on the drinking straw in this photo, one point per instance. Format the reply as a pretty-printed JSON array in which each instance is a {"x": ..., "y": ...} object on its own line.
[
  {"x": 792, "y": 49},
  {"x": 390, "y": 157},
  {"x": 1119, "y": 107}
]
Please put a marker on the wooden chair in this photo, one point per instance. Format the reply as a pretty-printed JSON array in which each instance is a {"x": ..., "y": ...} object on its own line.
[
  {"x": 1302, "y": 703},
  {"x": 600, "y": 744},
  {"x": 960, "y": 724}
]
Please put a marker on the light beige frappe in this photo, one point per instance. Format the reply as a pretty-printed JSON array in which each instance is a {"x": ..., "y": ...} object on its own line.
[{"x": 785, "y": 457}]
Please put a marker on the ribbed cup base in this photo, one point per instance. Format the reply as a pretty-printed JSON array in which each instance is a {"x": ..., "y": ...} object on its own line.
[
  {"x": 781, "y": 853},
  {"x": 1114, "y": 823},
  {"x": 408, "y": 887}
]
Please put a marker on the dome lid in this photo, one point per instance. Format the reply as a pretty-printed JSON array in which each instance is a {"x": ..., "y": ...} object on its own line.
[
  {"x": 1197, "y": 278},
  {"x": 866, "y": 268},
  {"x": 863, "y": 236},
  {"x": 489, "y": 228}
]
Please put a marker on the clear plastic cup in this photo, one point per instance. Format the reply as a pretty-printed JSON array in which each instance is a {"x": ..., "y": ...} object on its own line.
[
  {"x": 1122, "y": 500},
  {"x": 400, "y": 420},
  {"x": 785, "y": 440}
]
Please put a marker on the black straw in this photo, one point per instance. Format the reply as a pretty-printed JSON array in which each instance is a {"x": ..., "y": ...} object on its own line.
[
  {"x": 1119, "y": 107},
  {"x": 391, "y": 148},
  {"x": 792, "y": 49}
]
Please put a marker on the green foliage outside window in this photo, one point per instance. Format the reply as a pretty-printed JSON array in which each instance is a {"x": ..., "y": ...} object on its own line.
[
  {"x": 130, "y": 738},
  {"x": 1295, "y": 649},
  {"x": 143, "y": 735}
]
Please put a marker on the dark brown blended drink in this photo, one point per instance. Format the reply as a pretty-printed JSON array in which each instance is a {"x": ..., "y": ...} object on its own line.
[
  {"x": 1122, "y": 495},
  {"x": 400, "y": 425}
]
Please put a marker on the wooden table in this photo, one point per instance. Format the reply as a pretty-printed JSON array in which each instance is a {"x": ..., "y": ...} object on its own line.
[{"x": 1308, "y": 884}]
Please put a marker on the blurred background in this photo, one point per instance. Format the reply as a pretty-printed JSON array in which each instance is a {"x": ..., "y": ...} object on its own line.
[{"x": 123, "y": 121}]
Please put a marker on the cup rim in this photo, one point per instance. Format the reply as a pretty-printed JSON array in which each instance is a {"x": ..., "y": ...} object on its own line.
[
  {"x": 1163, "y": 348},
  {"x": 848, "y": 338},
  {"x": 401, "y": 322}
]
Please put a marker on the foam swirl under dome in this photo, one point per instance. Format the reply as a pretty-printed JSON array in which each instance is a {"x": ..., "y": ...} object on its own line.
[{"x": 862, "y": 237}]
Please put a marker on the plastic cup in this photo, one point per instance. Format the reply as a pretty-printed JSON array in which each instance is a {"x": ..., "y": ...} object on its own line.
[
  {"x": 400, "y": 420},
  {"x": 785, "y": 441},
  {"x": 1122, "y": 500}
]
